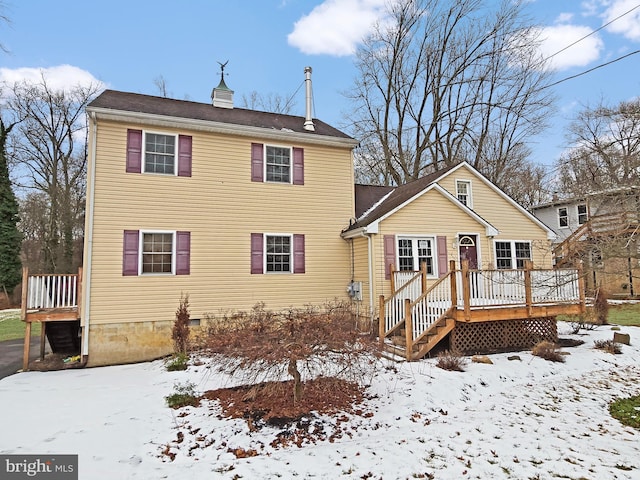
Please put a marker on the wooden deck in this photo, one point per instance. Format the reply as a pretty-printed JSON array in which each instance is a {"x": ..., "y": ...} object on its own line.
[
  {"x": 427, "y": 316},
  {"x": 48, "y": 298}
]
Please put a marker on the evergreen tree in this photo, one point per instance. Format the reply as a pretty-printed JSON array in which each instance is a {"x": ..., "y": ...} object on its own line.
[{"x": 10, "y": 238}]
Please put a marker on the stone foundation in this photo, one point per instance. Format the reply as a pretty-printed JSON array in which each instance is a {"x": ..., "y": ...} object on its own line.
[{"x": 130, "y": 342}]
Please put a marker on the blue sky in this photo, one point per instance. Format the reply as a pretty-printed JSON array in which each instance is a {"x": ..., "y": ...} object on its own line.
[{"x": 127, "y": 44}]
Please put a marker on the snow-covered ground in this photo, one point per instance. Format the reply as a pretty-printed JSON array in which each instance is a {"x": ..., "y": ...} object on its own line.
[{"x": 519, "y": 419}]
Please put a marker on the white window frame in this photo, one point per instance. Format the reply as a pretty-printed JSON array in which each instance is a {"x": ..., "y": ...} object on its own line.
[
  {"x": 291, "y": 253},
  {"x": 141, "y": 252},
  {"x": 566, "y": 216},
  {"x": 513, "y": 258},
  {"x": 265, "y": 175},
  {"x": 468, "y": 195},
  {"x": 144, "y": 152},
  {"x": 585, "y": 215},
  {"x": 414, "y": 248}
]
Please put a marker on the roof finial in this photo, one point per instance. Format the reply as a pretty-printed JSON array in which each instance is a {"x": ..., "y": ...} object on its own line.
[{"x": 222, "y": 96}]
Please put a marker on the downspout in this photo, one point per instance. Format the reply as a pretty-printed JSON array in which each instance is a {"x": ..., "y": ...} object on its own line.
[
  {"x": 89, "y": 239},
  {"x": 370, "y": 250}
]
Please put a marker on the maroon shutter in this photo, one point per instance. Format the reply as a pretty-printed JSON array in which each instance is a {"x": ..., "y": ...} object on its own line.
[
  {"x": 130, "y": 252},
  {"x": 298, "y": 166},
  {"x": 443, "y": 258},
  {"x": 183, "y": 253},
  {"x": 134, "y": 151},
  {"x": 298, "y": 254},
  {"x": 256, "y": 253},
  {"x": 184, "y": 156},
  {"x": 389, "y": 254},
  {"x": 257, "y": 167}
]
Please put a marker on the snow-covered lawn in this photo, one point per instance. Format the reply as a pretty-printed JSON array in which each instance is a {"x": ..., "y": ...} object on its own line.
[{"x": 519, "y": 419}]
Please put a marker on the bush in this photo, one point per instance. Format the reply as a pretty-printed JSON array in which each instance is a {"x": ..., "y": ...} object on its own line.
[
  {"x": 608, "y": 346},
  {"x": 548, "y": 351},
  {"x": 451, "y": 360},
  {"x": 180, "y": 332},
  {"x": 184, "y": 395},
  {"x": 179, "y": 361}
]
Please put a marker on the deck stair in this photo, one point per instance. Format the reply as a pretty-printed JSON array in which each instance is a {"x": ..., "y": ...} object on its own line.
[{"x": 574, "y": 248}]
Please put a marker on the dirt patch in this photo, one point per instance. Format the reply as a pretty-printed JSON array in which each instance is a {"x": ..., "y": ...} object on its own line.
[
  {"x": 55, "y": 361},
  {"x": 272, "y": 403}
]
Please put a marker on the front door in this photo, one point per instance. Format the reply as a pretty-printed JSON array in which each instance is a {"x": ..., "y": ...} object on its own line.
[{"x": 468, "y": 250}]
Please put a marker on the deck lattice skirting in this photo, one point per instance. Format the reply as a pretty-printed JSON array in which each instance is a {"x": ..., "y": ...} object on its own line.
[{"x": 504, "y": 336}]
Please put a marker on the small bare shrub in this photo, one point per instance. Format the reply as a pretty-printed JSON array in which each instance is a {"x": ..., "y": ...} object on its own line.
[
  {"x": 548, "y": 351},
  {"x": 451, "y": 360},
  {"x": 608, "y": 346},
  {"x": 180, "y": 332}
]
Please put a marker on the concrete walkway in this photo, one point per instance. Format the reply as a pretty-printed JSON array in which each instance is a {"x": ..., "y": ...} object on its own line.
[{"x": 11, "y": 354}]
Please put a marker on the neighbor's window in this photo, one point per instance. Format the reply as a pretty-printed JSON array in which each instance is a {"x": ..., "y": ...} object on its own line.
[
  {"x": 278, "y": 164},
  {"x": 563, "y": 217},
  {"x": 413, "y": 252},
  {"x": 463, "y": 191},
  {"x": 512, "y": 253},
  {"x": 583, "y": 216},
  {"x": 278, "y": 253},
  {"x": 159, "y": 153},
  {"x": 157, "y": 253}
]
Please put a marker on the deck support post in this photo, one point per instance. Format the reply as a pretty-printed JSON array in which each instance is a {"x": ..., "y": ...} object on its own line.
[
  {"x": 583, "y": 304},
  {"x": 453, "y": 283},
  {"x": 408, "y": 329},
  {"x": 528, "y": 295},
  {"x": 381, "y": 320},
  {"x": 43, "y": 338},
  {"x": 27, "y": 347},
  {"x": 466, "y": 290},
  {"x": 423, "y": 272}
]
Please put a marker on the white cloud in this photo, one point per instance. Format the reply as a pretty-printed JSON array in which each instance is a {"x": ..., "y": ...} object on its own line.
[
  {"x": 61, "y": 77},
  {"x": 557, "y": 37},
  {"x": 335, "y": 27},
  {"x": 629, "y": 24},
  {"x": 564, "y": 17}
]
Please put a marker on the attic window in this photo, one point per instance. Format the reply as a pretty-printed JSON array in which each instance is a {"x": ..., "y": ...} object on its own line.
[{"x": 463, "y": 192}]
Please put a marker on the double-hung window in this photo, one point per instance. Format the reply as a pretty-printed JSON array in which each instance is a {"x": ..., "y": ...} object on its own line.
[
  {"x": 278, "y": 253},
  {"x": 157, "y": 252},
  {"x": 563, "y": 217},
  {"x": 159, "y": 153},
  {"x": 510, "y": 254},
  {"x": 413, "y": 252},
  {"x": 463, "y": 192},
  {"x": 278, "y": 164},
  {"x": 583, "y": 216}
]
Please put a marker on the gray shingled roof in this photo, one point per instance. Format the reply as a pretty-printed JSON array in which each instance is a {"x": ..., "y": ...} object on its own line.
[
  {"x": 135, "y": 102},
  {"x": 395, "y": 199}
]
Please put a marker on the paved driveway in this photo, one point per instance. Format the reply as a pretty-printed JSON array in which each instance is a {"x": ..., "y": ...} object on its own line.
[{"x": 11, "y": 354}]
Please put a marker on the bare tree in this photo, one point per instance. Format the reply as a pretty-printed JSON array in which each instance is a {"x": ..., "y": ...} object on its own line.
[
  {"x": 161, "y": 84},
  {"x": 442, "y": 82},
  {"x": 272, "y": 102},
  {"x": 49, "y": 143},
  {"x": 605, "y": 152}
]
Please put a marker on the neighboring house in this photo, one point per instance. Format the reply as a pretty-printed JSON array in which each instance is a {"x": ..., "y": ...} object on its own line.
[
  {"x": 599, "y": 231},
  {"x": 237, "y": 207}
]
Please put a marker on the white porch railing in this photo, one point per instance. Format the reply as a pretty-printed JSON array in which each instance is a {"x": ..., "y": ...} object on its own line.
[
  {"x": 52, "y": 291},
  {"x": 430, "y": 307},
  {"x": 474, "y": 289}
]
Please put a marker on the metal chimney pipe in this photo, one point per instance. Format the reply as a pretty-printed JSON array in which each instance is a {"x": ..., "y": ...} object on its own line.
[{"x": 308, "y": 121}]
